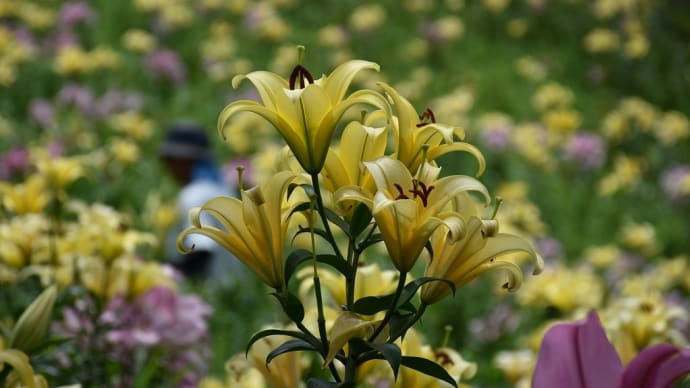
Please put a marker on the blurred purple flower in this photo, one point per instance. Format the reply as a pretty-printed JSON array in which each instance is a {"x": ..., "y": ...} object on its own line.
[
  {"x": 23, "y": 35},
  {"x": 501, "y": 320},
  {"x": 62, "y": 37},
  {"x": 586, "y": 149},
  {"x": 15, "y": 161},
  {"x": 166, "y": 63},
  {"x": 161, "y": 319},
  {"x": 74, "y": 12},
  {"x": 579, "y": 355},
  {"x": 56, "y": 148},
  {"x": 673, "y": 179},
  {"x": 114, "y": 101},
  {"x": 77, "y": 95},
  {"x": 549, "y": 248},
  {"x": 42, "y": 112},
  {"x": 496, "y": 139}
]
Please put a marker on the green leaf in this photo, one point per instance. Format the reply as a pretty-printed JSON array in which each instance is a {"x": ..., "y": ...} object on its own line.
[
  {"x": 399, "y": 324},
  {"x": 429, "y": 368},
  {"x": 289, "y": 346},
  {"x": 290, "y": 333},
  {"x": 308, "y": 189},
  {"x": 336, "y": 219},
  {"x": 374, "y": 239},
  {"x": 294, "y": 259},
  {"x": 361, "y": 218},
  {"x": 391, "y": 353},
  {"x": 299, "y": 256},
  {"x": 411, "y": 288},
  {"x": 370, "y": 305},
  {"x": 302, "y": 207},
  {"x": 291, "y": 305}
]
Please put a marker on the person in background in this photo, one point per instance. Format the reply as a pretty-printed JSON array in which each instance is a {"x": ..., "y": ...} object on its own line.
[{"x": 187, "y": 154}]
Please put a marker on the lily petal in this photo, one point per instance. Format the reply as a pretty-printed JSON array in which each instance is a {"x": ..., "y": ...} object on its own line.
[
  {"x": 577, "y": 355},
  {"x": 340, "y": 79}
]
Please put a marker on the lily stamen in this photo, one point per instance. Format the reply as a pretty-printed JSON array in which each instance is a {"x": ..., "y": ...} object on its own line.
[
  {"x": 300, "y": 73},
  {"x": 427, "y": 117}
]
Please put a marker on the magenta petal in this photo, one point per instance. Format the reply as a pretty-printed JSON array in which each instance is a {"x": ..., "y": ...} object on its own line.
[
  {"x": 577, "y": 355},
  {"x": 599, "y": 361},
  {"x": 675, "y": 366},
  {"x": 640, "y": 371},
  {"x": 557, "y": 365}
]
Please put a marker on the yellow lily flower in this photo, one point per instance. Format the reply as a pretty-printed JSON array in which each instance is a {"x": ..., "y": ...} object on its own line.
[
  {"x": 23, "y": 373},
  {"x": 407, "y": 210},
  {"x": 360, "y": 142},
  {"x": 464, "y": 260},
  {"x": 28, "y": 197},
  {"x": 305, "y": 111},
  {"x": 412, "y": 133},
  {"x": 255, "y": 227}
]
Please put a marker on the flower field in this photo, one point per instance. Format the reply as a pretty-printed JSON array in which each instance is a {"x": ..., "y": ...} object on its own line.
[{"x": 465, "y": 177}]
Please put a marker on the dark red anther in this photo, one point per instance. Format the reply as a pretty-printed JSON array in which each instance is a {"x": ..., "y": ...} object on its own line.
[
  {"x": 300, "y": 73},
  {"x": 401, "y": 191},
  {"x": 427, "y": 117},
  {"x": 443, "y": 358},
  {"x": 422, "y": 194}
]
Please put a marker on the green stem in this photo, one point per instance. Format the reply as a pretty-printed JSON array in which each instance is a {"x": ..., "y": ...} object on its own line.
[
  {"x": 389, "y": 313},
  {"x": 322, "y": 213},
  {"x": 352, "y": 259}
]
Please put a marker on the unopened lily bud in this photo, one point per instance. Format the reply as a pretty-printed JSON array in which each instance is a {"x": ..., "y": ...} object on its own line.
[{"x": 28, "y": 333}]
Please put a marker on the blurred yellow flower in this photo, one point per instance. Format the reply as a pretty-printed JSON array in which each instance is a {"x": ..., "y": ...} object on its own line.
[
  {"x": 562, "y": 121},
  {"x": 554, "y": 288},
  {"x": 625, "y": 175},
  {"x": 139, "y": 41},
  {"x": 38, "y": 17},
  {"x": 601, "y": 40},
  {"x": 552, "y": 95},
  {"x": 367, "y": 17},
  {"x": 529, "y": 140},
  {"x": 31, "y": 196},
  {"x": 72, "y": 60},
  {"x": 640, "y": 237},
  {"x": 133, "y": 124},
  {"x": 530, "y": 68},
  {"x": 671, "y": 128},
  {"x": 449, "y": 28},
  {"x": 58, "y": 172},
  {"x": 517, "y": 366},
  {"x": 332, "y": 35},
  {"x": 517, "y": 28},
  {"x": 603, "y": 256},
  {"x": 124, "y": 150},
  {"x": 104, "y": 58},
  {"x": 637, "y": 46},
  {"x": 635, "y": 322},
  {"x": 495, "y": 6}
]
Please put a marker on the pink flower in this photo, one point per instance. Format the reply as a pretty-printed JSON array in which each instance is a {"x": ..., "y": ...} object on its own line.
[
  {"x": 42, "y": 112},
  {"x": 672, "y": 181},
  {"x": 167, "y": 64},
  {"x": 585, "y": 149},
  {"x": 579, "y": 355},
  {"x": 74, "y": 12}
]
